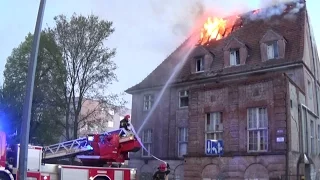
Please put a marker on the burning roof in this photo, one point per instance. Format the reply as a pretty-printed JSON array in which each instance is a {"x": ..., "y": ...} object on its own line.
[
  {"x": 217, "y": 28},
  {"x": 288, "y": 20}
]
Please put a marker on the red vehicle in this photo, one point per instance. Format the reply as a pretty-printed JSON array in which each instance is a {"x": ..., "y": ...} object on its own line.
[{"x": 98, "y": 154}]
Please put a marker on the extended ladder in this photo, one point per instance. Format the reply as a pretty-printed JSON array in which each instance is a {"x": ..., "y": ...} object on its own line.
[
  {"x": 67, "y": 148},
  {"x": 78, "y": 146}
]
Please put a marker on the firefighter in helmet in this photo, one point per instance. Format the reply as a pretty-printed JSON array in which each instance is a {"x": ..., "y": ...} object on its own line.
[
  {"x": 124, "y": 123},
  {"x": 162, "y": 173}
]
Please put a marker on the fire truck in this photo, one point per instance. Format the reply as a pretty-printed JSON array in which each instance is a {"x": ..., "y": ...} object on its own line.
[{"x": 100, "y": 157}]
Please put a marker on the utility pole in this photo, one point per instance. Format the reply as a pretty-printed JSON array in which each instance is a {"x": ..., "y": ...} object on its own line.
[{"x": 25, "y": 127}]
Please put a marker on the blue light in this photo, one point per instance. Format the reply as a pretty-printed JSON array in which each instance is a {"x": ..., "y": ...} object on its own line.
[{"x": 89, "y": 147}]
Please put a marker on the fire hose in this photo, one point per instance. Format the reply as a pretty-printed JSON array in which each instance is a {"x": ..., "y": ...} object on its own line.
[{"x": 139, "y": 140}]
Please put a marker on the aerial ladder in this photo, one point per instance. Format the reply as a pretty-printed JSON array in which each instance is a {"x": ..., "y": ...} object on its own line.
[{"x": 95, "y": 149}]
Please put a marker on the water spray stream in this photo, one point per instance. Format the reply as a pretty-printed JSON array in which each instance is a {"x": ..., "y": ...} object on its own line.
[{"x": 171, "y": 78}]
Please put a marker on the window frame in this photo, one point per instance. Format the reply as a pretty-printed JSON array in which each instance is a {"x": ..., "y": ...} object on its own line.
[
  {"x": 312, "y": 137},
  {"x": 201, "y": 68},
  {"x": 258, "y": 129},
  {"x": 237, "y": 60},
  {"x": 215, "y": 132},
  {"x": 275, "y": 49},
  {"x": 148, "y": 98},
  {"x": 147, "y": 143},
  {"x": 185, "y": 95},
  {"x": 184, "y": 141}
]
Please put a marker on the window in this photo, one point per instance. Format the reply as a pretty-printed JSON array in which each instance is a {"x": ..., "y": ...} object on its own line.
[
  {"x": 182, "y": 141},
  {"x": 147, "y": 142},
  {"x": 177, "y": 177},
  {"x": 310, "y": 90},
  {"x": 183, "y": 99},
  {"x": 273, "y": 50},
  {"x": 199, "y": 64},
  {"x": 318, "y": 139},
  {"x": 214, "y": 126},
  {"x": 312, "y": 137},
  {"x": 234, "y": 57},
  {"x": 147, "y": 102},
  {"x": 257, "y": 129},
  {"x": 110, "y": 124}
]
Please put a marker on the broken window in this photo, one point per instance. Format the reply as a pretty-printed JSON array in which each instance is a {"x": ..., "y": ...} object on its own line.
[
  {"x": 147, "y": 142},
  {"x": 147, "y": 102},
  {"x": 182, "y": 141},
  {"x": 234, "y": 57},
  {"x": 214, "y": 126},
  {"x": 199, "y": 64},
  {"x": 273, "y": 50},
  {"x": 257, "y": 129},
  {"x": 183, "y": 99}
]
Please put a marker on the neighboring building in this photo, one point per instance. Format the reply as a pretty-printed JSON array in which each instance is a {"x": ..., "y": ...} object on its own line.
[
  {"x": 256, "y": 89},
  {"x": 98, "y": 119}
]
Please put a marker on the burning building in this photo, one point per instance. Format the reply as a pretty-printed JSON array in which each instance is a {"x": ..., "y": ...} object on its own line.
[{"x": 252, "y": 82}]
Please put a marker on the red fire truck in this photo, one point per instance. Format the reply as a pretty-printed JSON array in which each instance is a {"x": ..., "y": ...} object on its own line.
[{"x": 98, "y": 154}]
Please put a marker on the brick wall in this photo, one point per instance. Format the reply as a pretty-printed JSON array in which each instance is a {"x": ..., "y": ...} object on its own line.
[{"x": 232, "y": 99}]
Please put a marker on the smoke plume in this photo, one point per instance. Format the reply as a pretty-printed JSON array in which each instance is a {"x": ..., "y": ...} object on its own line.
[{"x": 182, "y": 16}]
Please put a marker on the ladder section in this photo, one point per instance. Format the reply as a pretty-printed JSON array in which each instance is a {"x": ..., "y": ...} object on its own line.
[{"x": 67, "y": 148}]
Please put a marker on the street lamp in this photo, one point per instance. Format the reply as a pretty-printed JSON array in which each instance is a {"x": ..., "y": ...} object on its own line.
[{"x": 25, "y": 127}]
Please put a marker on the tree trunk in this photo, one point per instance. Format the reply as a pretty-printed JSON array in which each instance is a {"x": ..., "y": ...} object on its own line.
[
  {"x": 75, "y": 130},
  {"x": 67, "y": 125}
]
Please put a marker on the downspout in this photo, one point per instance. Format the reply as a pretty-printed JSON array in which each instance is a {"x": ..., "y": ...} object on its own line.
[
  {"x": 169, "y": 120},
  {"x": 314, "y": 64},
  {"x": 287, "y": 136},
  {"x": 306, "y": 128},
  {"x": 300, "y": 140}
]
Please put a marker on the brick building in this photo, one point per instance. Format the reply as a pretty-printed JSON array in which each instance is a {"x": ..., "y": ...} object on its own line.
[{"x": 257, "y": 89}]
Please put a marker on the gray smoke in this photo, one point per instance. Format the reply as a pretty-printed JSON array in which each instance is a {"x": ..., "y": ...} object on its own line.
[
  {"x": 270, "y": 8},
  {"x": 182, "y": 16}
]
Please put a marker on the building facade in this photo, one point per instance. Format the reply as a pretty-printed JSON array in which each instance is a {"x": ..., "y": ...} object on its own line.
[
  {"x": 99, "y": 118},
  {"x": 257, "y": 89}
]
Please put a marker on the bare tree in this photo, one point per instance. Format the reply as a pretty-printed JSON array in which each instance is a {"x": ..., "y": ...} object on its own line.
[{"x": 89, "y": 66}]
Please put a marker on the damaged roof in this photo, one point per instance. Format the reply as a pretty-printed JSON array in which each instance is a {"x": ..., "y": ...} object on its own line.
[{"x": 249, "y": 29}]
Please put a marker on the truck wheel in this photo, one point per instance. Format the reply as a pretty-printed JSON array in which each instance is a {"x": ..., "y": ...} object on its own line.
[
  {"x": 99, "y": 178},
  {"x": 4, "y": 176}
]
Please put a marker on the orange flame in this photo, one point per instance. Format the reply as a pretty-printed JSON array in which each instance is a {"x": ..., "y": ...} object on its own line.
[{"x": 212, "y": 29}]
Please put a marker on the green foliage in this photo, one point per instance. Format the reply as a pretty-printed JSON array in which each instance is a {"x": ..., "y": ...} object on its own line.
[
  {"x": 89, "y": 66},
  {"x": 49, "y": 80},
  {"x": 73, "y": 67}
]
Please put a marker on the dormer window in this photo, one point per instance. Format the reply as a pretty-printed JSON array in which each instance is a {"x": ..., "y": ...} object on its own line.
[
  {"x": 272, "y": 46},
  {"x": 199, "y": 64},
  {"x": 235, "y": 53},
  {"x": 234, "y": 57},
  {"x": 272, "y": 50}
]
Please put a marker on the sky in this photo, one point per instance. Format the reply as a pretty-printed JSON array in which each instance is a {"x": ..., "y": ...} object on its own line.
[{"x": 146, "y": 31}]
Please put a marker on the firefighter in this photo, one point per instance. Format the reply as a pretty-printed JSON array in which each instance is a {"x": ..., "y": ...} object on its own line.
[
  {"x": 124, "y": 123},
  {"x": 162, "y": 173}
]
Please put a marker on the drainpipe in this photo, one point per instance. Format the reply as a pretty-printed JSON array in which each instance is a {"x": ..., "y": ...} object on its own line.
[
  {"x": 169, "y": 120},
  {"x": 314, "y": 64},
  {"x": 300, "y": 140},
  {"x": 287, "y": 136}
]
